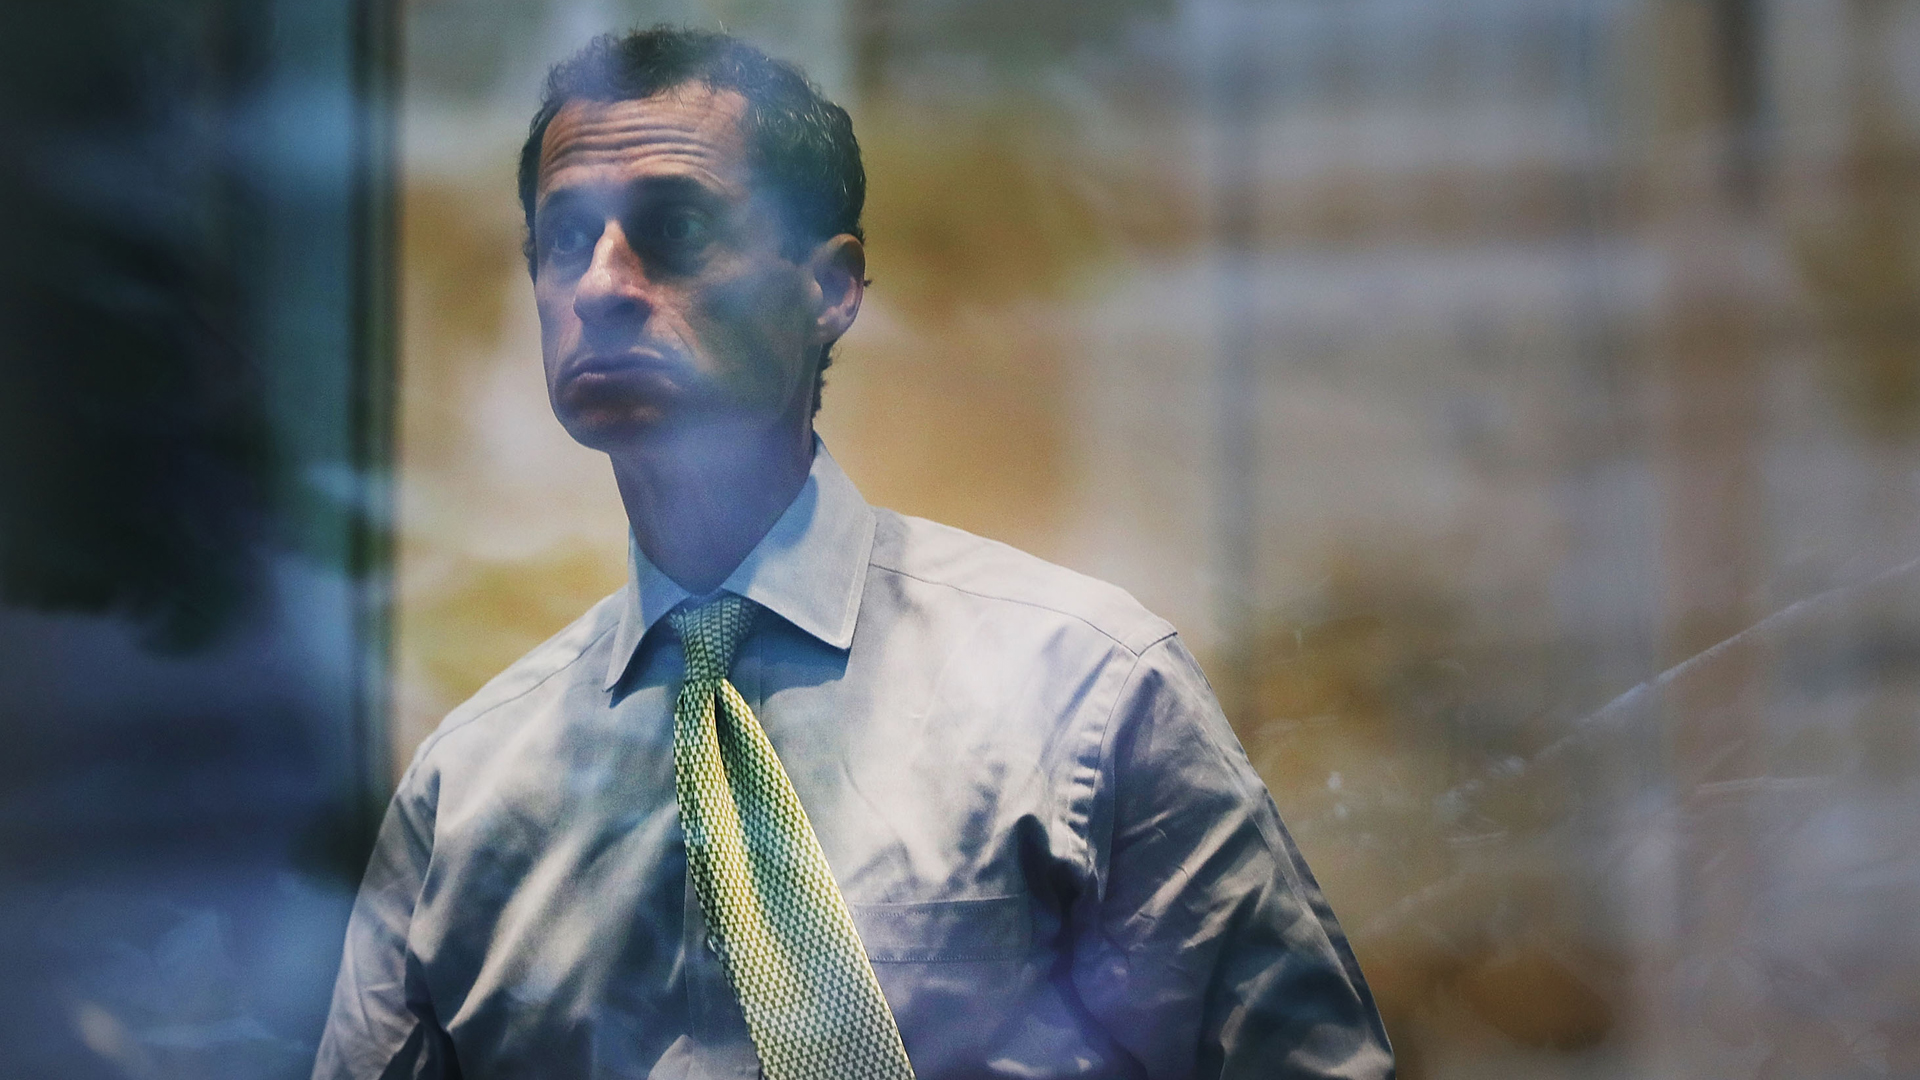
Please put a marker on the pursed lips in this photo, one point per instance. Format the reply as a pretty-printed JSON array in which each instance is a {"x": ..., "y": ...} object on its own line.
[{"x": 631, "y": 362}]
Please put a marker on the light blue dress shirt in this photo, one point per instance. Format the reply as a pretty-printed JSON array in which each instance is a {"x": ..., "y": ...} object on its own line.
[{"x": 1056, "y": 853}]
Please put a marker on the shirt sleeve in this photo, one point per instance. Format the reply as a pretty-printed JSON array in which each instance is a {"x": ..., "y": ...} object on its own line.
[
  {"x": 382, "y": 1024},
  {"x": 1203, "y": 945}
]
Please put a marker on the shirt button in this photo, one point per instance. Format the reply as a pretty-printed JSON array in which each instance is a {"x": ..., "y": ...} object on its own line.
[{"x": 713, "y": 945}]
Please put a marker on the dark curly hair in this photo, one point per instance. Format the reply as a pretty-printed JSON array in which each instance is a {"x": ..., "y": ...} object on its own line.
[{"x": 799, "y": 145}]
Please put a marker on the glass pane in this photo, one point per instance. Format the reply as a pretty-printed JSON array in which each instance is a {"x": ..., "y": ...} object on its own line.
[{"x": 1513, "y": 402}]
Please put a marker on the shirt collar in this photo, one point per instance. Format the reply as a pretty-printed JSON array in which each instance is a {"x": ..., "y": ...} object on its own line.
[{"x": 809, "y": 569}]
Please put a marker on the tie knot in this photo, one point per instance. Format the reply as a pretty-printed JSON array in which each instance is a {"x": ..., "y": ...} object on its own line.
[{"x": 711, "y": 634}]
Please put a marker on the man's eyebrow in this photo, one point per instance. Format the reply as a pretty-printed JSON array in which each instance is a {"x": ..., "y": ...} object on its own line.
[
  {"x": 561, "y": 199},
  {"x": 637, "y": 195},
  {"x": 660, "y": 188}
]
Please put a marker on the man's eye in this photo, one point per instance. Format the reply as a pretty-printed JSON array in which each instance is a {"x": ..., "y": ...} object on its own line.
[
  {"x": 569, "y": 238},
  {"x": 682, "y": 226}
]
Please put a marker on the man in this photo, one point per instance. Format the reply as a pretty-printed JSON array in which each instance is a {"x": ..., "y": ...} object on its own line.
[{"x": 824, "y": 791}]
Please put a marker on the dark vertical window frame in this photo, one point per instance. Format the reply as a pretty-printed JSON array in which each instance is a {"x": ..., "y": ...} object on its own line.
[{"x": 375, "y": 315}]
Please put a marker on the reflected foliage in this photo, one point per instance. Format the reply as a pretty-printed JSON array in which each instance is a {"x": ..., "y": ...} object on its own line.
[{"x": 137, "y": 453}]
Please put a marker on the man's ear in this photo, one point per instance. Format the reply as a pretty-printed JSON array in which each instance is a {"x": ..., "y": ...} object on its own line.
[{"x": 839, "y": 268}]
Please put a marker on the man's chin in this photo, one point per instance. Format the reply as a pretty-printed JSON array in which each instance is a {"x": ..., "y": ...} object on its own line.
[
  {"x": 638, "y": 425},
  {"x": 610, "y": 433},
  {"x": 685, "y": 429},
  {"x": 606, "y": 414}
]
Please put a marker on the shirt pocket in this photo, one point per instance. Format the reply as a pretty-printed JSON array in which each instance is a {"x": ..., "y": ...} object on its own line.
[{"x": 990, "y": 928}]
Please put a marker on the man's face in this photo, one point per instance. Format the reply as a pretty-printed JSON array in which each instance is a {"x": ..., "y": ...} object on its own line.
[{"x": 664, "y": 294}]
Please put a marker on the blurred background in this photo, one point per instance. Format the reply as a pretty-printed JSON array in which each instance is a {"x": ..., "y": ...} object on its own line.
[{"x": 1514, "y": 403}]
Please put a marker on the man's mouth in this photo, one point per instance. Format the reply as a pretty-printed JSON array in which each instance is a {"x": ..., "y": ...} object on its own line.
[
  {"x": 622, "y": 380},
  {"x": 644, "y": 371},
  {"x": 636, "y": 361}
]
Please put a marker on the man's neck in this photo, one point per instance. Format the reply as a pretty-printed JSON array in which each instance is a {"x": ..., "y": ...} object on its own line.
[{"x": 700, "y": 499}]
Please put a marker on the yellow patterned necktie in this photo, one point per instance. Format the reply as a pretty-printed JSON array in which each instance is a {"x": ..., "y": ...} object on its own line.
[{"x": 778, "y": 921}]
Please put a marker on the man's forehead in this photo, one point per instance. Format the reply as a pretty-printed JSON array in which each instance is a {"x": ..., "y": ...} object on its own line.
[{"x": 689, "y": 129}]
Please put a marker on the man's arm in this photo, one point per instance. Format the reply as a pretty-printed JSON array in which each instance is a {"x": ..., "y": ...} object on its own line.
[
  {"x": 382, "y": 1025},
  {"x": 1205, "y": 947}
]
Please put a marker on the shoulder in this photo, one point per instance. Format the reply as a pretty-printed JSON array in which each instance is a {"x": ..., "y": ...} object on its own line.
[
  {"x": 555, "y": 665},
  {"x": 947, "y": 562}
]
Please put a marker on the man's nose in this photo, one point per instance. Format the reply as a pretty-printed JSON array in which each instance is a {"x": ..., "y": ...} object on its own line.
[{"x": 611, "y": 297}]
